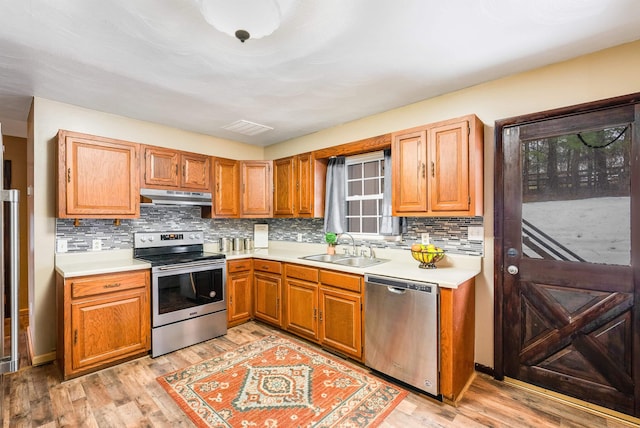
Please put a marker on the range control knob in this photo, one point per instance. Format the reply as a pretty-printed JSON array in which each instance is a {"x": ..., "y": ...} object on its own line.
[
  {"x": 192, "y": 236},
  {"x": 142, "y": 239},
  {"x": 151, "y": 239}
]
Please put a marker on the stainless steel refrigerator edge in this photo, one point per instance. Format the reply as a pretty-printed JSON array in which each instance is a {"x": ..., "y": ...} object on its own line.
[{"x": 9, "y": 363}]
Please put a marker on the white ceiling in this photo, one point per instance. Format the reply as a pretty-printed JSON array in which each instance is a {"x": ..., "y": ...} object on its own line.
[{"x": 331, "y": 61}]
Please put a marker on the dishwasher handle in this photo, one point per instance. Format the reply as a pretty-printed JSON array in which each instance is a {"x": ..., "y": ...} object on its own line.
[
  {"x": 395, "y": 290},
  {"x": 400, "y": 284}
]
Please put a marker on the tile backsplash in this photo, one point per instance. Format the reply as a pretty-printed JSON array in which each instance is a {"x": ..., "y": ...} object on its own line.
[{"x": 447, "y": 232}]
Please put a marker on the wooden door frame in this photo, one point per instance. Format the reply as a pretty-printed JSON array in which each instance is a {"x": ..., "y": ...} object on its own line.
[{"x": 632, "y": 99}]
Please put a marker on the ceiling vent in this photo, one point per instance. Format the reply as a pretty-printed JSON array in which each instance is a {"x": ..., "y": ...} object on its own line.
[{"x": 247, "y": 128}]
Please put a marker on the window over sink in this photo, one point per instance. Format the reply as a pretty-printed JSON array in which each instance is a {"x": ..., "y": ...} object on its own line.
[{"x": 364, "y": 193}]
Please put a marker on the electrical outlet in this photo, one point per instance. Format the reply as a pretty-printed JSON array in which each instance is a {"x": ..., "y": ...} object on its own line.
[
  {"x": 97, "y": 245},
  {"x": 475, "y": 233},
  {"x": 299, "y": 237},
  {"x": 61, "y": 246},
  {"x": 424, "y": 237}
]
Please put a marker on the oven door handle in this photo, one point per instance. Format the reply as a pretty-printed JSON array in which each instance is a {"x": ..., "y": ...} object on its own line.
[{"x": 187, "y": 265}]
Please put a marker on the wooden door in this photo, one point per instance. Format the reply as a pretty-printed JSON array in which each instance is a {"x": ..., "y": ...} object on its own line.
[
  {"x": 341, "y": 321},
  {"x": 226, "y": 191},
  {"x": 239, "y": 305},
  {"x": 304, "y": 195},
  {"x": 268, "y": 288},
  {"x": 302, "y": 308},
  {"x": 98, "y": 178},
  {"x": 257, "y": 189},
  {"x": 109, "y": 327},
  {"x": 284, "y": 187},
  {"x": 409, "y": 181},
  {"x": 568, "y": 254},
  {"x": 195, "y": 172},
  {"x": 449, "y": 167},
  {"x": 161, "y": 167}
]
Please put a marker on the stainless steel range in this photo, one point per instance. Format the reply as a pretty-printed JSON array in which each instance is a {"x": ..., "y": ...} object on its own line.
[{"x": 188, "y": 293}]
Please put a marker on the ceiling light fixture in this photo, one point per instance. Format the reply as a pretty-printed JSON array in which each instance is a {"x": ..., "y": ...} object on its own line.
[{"x": 245, "y": 19}]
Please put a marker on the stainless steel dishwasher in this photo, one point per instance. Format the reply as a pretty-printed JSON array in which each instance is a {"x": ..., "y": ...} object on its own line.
[{"x": 401, "y": 330}]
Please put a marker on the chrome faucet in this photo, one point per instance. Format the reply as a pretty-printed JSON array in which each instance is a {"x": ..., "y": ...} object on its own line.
[
  {"x": 353, "y": 241},
  {"x": 371, "y": 254}
]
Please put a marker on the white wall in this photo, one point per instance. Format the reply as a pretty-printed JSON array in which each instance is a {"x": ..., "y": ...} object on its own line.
[
  {"x": 601, "y": 75},
  {"x": 604, "y": 74},
  {"x": 48, "y": 118}
]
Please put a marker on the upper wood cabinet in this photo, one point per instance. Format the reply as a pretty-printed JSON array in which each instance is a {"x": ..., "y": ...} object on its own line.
[
  {"x": 172, "y": 169},
  {"x": 257, "y": 189},
  {"x": 299, "y": 186},
  {"x": 225, "y": 188},
  {"x": 437, "y": 169},
  {"x": 97, "y": 177}
]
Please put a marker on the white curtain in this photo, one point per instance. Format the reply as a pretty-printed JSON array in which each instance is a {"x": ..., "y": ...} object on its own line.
[
  {"x": 335, "y": 202},
  {"x": 389, "y": 225}
]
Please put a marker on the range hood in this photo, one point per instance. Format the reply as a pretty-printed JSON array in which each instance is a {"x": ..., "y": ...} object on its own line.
[{"x": 174, "y": 197}]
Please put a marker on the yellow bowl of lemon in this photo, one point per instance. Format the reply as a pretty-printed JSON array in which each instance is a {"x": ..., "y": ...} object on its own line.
[{"x": 427, "y": 255}]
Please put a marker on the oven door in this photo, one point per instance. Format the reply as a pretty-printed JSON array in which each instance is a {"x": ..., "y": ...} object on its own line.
[{"x": 187, "y": 290}]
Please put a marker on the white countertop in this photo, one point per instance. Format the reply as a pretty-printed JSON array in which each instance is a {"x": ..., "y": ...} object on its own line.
[{"x": 451, "y": 272}]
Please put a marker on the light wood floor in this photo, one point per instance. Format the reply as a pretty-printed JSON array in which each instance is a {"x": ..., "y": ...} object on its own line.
[{"x": 129, "y": 396}]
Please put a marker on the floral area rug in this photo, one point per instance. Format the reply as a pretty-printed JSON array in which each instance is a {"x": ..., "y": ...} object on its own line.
[{"x": 275, "y": 382}]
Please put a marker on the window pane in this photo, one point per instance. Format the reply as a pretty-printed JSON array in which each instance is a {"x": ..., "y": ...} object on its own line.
[
  {"x": 576, "y": 197},
  {"x": 354, "y": 171},
  {"x": 354, "y": 225},
  {"x": 370, "y": 207},
  {"x": 371, "y": 169},
  {"x": 355, "y": 188},
  {"x": 370, "y": 225},
  {"x": 353, "y": 208},
  {"x": 372, "y": 187}
]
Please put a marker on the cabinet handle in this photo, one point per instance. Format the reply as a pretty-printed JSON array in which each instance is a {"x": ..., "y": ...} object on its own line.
[
  {"x": 320, "y": 315},
  {"x": 69, "y": 175},
  {"x": 176, "y": 170},
  {"x": 315, "y": 313},
  {"x": 75, "y": 337},
  {"x": 218, "y": 187},
  {"x": 114, "y": 285},
  {"x": 265, "y": 268},
  {"x": 433, "y": 169},
  {"x": 230, "y": 300},
  {"x": 422, "y": 169}
]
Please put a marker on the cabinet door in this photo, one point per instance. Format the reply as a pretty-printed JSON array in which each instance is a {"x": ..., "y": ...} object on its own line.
[
  {"x": 160, "y": 167},
  {"x": 98, "y": 177},
  {"x": 304, "y": 195},
  {"x": 341, "y": 321},
  {"x": 268, "y": 288},
  {"x": 284, "y": 187},
  {"x": 226, "y": 191},
  {"x": 302, "y": 308},
  {"x": 109, "y": 327},
  {"x": 257, "y": 189},
  {"x": 409, "y": 180},
  {"x": 239, "y": 287},
  {"x": 449, "y": 167},
  {"x": 195, "y": 172}
]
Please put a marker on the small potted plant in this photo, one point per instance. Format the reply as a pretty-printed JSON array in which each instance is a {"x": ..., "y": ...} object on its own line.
[{"x": 331, "y": 239}]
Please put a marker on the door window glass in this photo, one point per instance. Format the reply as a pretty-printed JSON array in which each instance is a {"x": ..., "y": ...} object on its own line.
[{"x": 576, "y": 197}]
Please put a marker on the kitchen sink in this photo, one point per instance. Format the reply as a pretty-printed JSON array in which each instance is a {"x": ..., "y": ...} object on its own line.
[
  {"x": 359, "y": 261},
  {"x": 344, "y": 260},
  {"x": 324, "y": 257}
]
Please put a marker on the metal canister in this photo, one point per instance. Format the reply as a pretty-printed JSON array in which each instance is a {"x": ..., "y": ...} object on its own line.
[
  {"x": 225, "y": 245},
  {"x": 248, "y": 244},
  {"x": 238, "y": 244}
]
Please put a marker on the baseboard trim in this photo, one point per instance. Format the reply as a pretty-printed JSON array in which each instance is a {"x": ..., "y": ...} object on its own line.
[
  {"x": 574, "y": 402},
  {"x": 485, "y": 369}
]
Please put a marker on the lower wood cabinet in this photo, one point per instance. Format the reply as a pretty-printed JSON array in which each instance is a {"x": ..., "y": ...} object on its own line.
[
  {"x": 326, "y": 307},
  {"x": 103, "y": 320},
  {"x": 267, "y": 280},
  {"x": 457, "y": 339},
  {"x": 239, "y": 291}
]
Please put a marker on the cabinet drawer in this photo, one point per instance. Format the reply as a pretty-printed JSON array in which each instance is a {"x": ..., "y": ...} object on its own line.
[
  {"x": 100, "y": 284},
  {"x": 341, "y": 280},
  {"x": 302, "y": 272},
  {"x": 238, "y": 265},
  {"x": 267, "y": 266}
]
